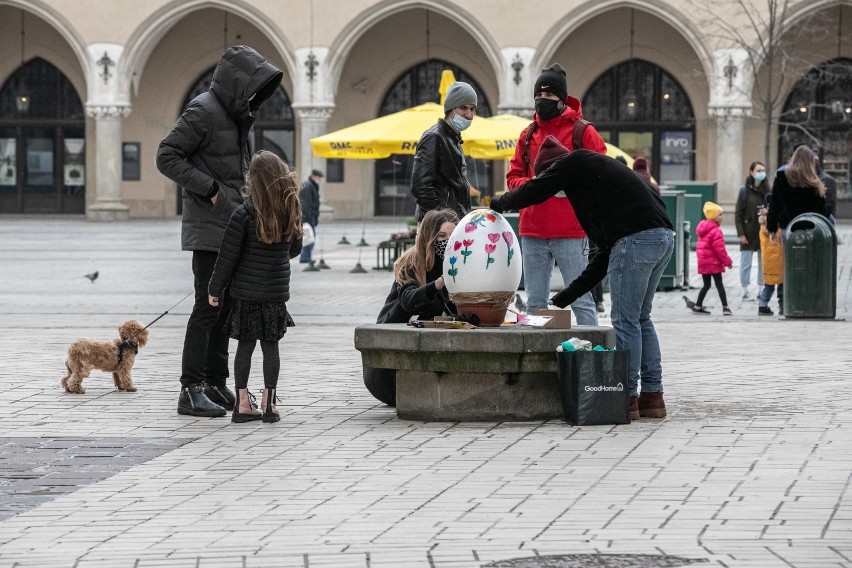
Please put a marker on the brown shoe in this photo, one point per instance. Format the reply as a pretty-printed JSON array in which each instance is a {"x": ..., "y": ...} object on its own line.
[
  {"x": 651, "y": 405},
  {"x": 634, "y": 408}
]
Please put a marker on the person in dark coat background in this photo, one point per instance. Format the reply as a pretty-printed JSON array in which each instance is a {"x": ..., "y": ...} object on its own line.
[
  {"x": 310, "y": 200},
  {"x": 635, "y": 239},
  {"x": 751, "y": 204},
  {"x": 207, "y": 155}
]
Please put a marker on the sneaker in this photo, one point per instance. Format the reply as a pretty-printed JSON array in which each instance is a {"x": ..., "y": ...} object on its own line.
[
  {"x": 765, "y": 311},
  {"x": 746, "y": 296},
  {"x": 600, "y": 307},
  {"x": 726, "y": 311},
  {"x": 696, "y": 309},
  {"x": 781, "y": 310},
  {"x": 651, "y": 405}
]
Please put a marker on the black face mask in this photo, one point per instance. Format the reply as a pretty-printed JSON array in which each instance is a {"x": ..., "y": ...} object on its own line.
[{"x": 547, "y": 108}]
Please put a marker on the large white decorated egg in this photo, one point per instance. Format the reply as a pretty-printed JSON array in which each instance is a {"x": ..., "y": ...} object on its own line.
[{"x": 482, "y": 255}]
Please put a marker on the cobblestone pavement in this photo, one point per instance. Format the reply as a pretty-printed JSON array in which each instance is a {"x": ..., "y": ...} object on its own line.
[{"x": 752, "y": 467}]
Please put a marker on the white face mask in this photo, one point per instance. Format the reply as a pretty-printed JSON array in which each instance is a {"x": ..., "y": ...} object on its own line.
[{"x": 459, "y": 122}]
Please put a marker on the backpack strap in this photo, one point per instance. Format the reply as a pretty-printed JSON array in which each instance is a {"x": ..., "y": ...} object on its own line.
[
  {"x": 578, "y": 132},
  {"x": 526, "y": 153}
]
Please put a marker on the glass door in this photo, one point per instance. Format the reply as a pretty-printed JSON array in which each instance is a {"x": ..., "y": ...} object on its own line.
[
  {"x": 40, "y": 194},
  {"x": 73, "y": 171},
  {"x": 9, "y": 171}
]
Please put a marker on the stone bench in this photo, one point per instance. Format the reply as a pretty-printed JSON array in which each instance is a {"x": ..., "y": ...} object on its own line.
[{"x": 483, "y": 374}]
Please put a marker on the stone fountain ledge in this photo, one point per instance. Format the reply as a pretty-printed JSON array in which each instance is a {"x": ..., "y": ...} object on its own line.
[{"x": 505, "y": 373}]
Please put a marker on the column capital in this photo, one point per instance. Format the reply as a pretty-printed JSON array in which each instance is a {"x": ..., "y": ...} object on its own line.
[
  {"x": 313, "y": 112},
  {"x": 517, "y": 80},
  {"x": 729, "y": 112},
  {"x": 98, "y": 111}
]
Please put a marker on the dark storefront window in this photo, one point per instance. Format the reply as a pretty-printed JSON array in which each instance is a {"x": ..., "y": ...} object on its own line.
[
  {"x": 818, "y": 111},
  {"x": 42, "y": 142},
  {"x": 639, "y": 107}
]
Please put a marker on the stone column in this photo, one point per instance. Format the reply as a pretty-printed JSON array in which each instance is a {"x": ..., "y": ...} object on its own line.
[
  {"x": 517, "y": 81},
  {"x": 729, "y": 152},
  {"x": 730, "y": 102},
  {"x": 313, "y": 122},
  {"x": 107, "y": 205}
]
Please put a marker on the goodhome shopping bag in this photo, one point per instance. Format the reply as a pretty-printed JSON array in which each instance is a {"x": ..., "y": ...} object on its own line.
[{"x": 594, "y": 387}]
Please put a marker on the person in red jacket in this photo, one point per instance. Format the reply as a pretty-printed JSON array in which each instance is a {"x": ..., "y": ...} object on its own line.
[
  {"x": 712, "y": 256},
  {"x": 550, "y": 231}
]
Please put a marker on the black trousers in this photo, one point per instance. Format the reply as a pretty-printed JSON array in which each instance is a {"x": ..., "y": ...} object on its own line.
[
  {"x": 205, "y": 346},
  {"x": 720, "y": 287}
]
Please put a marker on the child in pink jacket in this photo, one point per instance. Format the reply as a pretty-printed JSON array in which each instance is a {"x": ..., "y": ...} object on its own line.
[{"x": 712, "y": 257}]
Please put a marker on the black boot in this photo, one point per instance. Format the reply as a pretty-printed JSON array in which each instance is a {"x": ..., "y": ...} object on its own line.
[
  {"x": 241, "y": 417},
  {"x": 194, "y": 402},
  {"x": 269, "y": 414},
  {"x": 221, "y": 395}
]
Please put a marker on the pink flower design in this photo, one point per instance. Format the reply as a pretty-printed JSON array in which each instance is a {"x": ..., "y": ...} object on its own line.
[
  {"x": 489, "y": 248},
  {"x": 470, "y": 227},
  {"x": 457, "y": 245},
  {"x": 508, "y": 237},
  {"x": 493, "y": 237},
  {"x": 466, "y": 253}
]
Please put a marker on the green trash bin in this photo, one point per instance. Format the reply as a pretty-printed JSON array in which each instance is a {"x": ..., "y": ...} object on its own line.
[
  {"x": 693, "y": 211},
  {"x": 673, "y": 273},
  {"x": 810, "y": 268}
]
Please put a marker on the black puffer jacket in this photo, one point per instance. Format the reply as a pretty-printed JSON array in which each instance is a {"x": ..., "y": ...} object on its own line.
[
  {"x": 210, "y": 148},
  {"x": 257, "y": 272},
  {"x": 438, "y": 179},
  {"x": 406, "y": 300}
]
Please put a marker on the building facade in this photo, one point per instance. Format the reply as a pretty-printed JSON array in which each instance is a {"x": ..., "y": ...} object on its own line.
[{"x": 88, "y": 88}]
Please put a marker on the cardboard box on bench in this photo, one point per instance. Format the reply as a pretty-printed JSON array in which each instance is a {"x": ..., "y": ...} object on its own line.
[{"x": 559, "y": 319}]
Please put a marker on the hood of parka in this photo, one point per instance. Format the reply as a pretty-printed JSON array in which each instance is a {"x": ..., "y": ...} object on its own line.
[{"x": 241, "y": 73}]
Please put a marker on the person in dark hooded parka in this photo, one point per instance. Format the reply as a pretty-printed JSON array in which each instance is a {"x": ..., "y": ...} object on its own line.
[{"x": 208, "y": 155}]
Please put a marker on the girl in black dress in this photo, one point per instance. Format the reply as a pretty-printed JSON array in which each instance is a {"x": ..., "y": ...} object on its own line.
[{"x": 253, "y": 266}]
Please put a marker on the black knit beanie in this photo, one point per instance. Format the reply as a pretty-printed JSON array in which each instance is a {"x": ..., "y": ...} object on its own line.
[{"x": 552, "y": 80}]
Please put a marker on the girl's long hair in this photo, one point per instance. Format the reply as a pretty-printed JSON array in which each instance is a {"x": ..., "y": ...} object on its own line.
[
  {"x": 274, "y": 191},
  {"x": 801, "y": 171},
  {"x": 413, "y": 264}
]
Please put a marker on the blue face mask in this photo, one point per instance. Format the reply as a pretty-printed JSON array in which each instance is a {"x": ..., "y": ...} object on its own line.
[
  {"x": 459, "y": 122},
  {"x": 760, "y": 176}
]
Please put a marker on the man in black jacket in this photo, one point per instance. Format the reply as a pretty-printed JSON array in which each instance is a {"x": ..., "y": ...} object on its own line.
[
  {"x": 207, "y": 155},
  {"x": 310, "y": 201},
  {"x": 438, "y": 180},
  {"x": 628, "y": 222}
]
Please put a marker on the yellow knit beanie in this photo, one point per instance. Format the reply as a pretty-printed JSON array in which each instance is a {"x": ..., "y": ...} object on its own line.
[{"x": 711, "y": 210}]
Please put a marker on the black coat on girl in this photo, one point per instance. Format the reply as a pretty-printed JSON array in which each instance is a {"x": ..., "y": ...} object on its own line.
[{"x": 257, "y": 272}]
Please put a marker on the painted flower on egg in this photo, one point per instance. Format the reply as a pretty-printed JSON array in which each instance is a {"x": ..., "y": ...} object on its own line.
[{"x": 482, "y": 257}]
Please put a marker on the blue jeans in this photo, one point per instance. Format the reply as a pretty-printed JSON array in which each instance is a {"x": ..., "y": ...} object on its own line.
[
  {"x": 305, "y": 255},
  {"x": 571, "y": 256},
  {"x": 745, "y": 268},
  {"x": 766, "y": 295},
  {"x": 636, "y": 265}
]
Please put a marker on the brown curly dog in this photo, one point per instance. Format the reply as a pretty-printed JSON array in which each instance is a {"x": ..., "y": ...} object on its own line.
[{"x": 117, "y": 357}]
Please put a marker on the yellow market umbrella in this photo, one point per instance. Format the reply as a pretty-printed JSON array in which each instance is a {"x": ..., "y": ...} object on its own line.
[{"x": 396, "y": 133}]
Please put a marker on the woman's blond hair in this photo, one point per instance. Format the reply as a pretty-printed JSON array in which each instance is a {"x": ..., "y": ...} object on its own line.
[
  {"x": 413, "y": 264},
  {"x": 802, "y": 172},
  {"x": 274, "y": 192}
]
